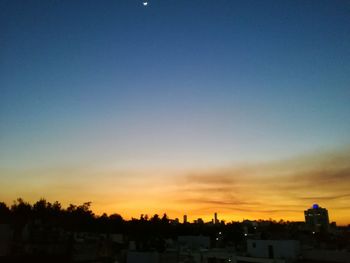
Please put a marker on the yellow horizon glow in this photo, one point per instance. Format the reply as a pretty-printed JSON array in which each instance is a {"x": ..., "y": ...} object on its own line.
[{"x": 275, "y": 190}]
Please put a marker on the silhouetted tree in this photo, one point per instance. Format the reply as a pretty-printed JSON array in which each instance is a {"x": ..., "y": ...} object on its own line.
[
  {"x": 41, "y": 209},
  {"x": 165, "y": 219},
  {"x": 4, "y": 213},
  {"x": 155, "y": 219},
  {"x": 21, "y": 211}
]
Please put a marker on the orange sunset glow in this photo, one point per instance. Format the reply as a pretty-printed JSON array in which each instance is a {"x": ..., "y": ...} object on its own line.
[
  {"x": 277, "y": 189},
  {"x": 178, "y": 107}
]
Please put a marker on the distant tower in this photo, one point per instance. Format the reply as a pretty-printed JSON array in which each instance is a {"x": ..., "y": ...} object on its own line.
[
  {"x": 185, "y": 219},
  {"x": 216, "y": 220},
  {"x": 316, "y": 218}
]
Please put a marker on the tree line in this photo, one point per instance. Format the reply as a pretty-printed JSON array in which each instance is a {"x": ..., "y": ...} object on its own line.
[{"x": 80, "y": 218}]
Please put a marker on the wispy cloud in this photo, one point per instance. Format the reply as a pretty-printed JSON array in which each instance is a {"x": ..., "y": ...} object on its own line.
[{"x": 282, "y": 188}]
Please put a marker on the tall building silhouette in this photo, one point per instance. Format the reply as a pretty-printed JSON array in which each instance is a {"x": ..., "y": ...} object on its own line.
[
  {"x": 216, "y": 220},
  {"x": 316, "y": 218}
]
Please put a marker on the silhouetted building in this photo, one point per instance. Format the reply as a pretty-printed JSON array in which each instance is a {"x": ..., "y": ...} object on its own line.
[
  {"x": 142, "y": 256},
  {"x": 185, "y": 219},
  {"x": 193, "y": 242},
  {"x": 274, "y": 249},
  {"x": 216, "y": 220},
  {"x": 317, "y": 218}
]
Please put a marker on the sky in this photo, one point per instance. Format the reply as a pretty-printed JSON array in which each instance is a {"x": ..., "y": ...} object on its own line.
[{"x": 184, "y": 107}]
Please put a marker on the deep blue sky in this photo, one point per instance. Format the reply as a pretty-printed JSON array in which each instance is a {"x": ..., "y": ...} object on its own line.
[{"x": 176, "y": 82}]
